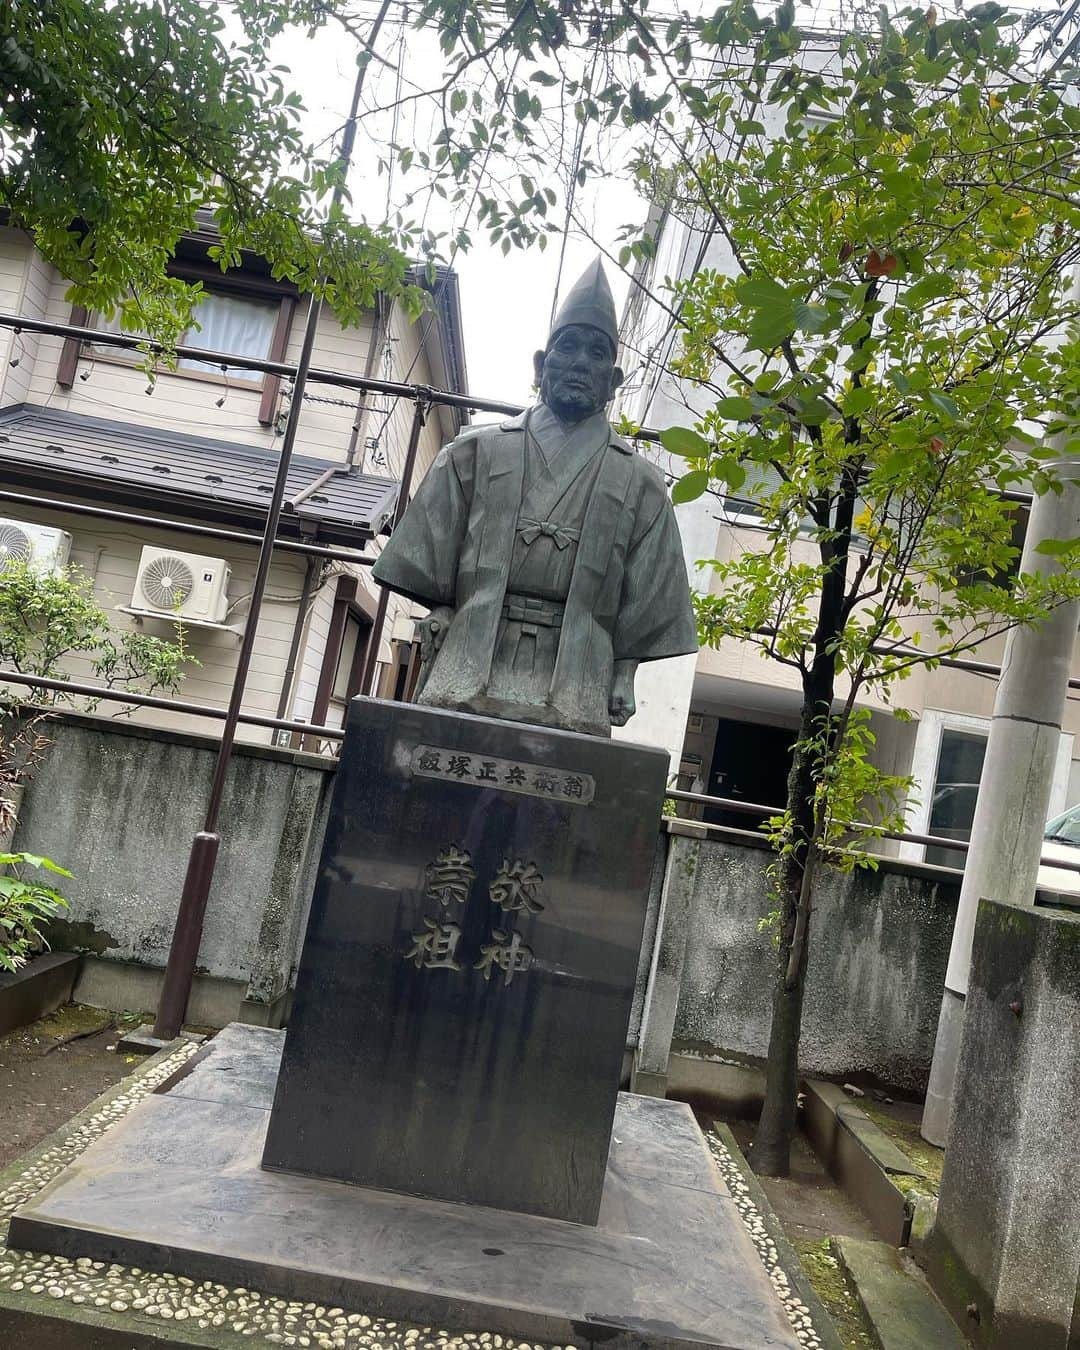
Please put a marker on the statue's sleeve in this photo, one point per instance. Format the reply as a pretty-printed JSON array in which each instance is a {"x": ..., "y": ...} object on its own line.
[
  {"x": 420, "y": 559},
  {"x": 656, "y": 618}
]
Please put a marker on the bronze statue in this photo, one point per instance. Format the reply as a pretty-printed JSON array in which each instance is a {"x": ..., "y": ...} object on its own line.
[{"x": 546, "y": 548}]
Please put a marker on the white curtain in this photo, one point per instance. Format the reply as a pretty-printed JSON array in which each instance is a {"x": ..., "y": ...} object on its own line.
[
  {"x": 235, "y": 324},
  {"x": 227, "y": 323}
]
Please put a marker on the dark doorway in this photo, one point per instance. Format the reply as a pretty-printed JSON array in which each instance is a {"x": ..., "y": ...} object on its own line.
[{"x": 750, "y": 763}]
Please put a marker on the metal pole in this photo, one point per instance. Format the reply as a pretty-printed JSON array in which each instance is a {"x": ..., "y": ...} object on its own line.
[
  {"x": 178, "y": 705},
  {"x": 187, "y": 935},
  {"x": 420, "y": 410},
  {"x": 184, "y": 951}
]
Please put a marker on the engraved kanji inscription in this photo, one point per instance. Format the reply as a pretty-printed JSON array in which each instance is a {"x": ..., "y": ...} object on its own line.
[
  {"x": 450, "y": 877},
  {"x": 435, "y": 949},
  {"x": 507, "y": 775},
  {"x": 507, "y": 952},
  {"x": 515, "y": 887}
]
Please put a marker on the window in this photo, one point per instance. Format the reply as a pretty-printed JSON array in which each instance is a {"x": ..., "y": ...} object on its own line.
[
  {"x": 353, "y": 642},
  {"x": 227, "y": 322},
  {"x": 956, "y": 787}
]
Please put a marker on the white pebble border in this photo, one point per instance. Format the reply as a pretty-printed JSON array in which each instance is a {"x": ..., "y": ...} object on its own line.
[
  {"x": 798, "y": 1313},
  {"x": 247, "y": 1313}
]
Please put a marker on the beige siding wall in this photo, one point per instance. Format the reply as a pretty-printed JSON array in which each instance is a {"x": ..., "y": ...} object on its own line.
[
  {"x": 310, "y": 664},
  {"x": 110, "y": 555},
  {"x": 24, "y": 286},
  {"x": 182, "y": 401},
  {"x": 186, "y": 403},
  {"x": 410, "y": 343}
]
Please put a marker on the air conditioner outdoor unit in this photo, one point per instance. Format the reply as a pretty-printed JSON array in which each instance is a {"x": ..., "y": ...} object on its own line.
[
  {"x": 182, "y": 585},
  {"x": 43, "y": 548}
]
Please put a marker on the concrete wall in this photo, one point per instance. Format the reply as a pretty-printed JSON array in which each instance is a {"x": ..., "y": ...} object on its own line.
[
  {"x": 118, "y": 804},
  {"x": 1004, "y": 1253},
  {"x": 879, "y": 944}
]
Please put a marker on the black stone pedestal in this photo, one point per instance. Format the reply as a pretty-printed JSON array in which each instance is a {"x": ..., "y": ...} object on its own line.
[
  {"x": 177, "y": 1186},
  {"x": 465, "y": 987}
]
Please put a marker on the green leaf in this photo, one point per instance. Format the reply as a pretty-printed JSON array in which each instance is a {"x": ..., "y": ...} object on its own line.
[
  {"x": 769, "y": 328},
  {"x": 761, "y": 292},
  {"x": 856, "y": 401},
  {"x": 690, "y": 486},
  {"x": 945, "y": 405},
  {"x": 933, "y": 287},
  {"x": 811, "y": 318},
  {"x": 1057, "y": 548},
  {"x": 730, "y": 471},
  {"x": 734, "y": 409},
  {"x": 900, "y": 381},
  {"x": 685, "y": 441}
]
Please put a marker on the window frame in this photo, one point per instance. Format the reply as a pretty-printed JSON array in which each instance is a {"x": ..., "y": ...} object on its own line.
[
  {"x": 238, "y": 283},
  {"x": 925, "y": 757}
]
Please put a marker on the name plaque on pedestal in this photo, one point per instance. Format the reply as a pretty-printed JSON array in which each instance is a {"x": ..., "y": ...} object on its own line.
[{"x": 465, "y": 985}]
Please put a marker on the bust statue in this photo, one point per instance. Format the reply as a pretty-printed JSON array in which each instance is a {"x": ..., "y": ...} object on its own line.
[{"x": 546, "y": 548}]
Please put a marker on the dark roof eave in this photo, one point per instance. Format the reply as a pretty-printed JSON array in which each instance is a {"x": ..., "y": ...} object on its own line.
[{"x": 178, "y": 509}]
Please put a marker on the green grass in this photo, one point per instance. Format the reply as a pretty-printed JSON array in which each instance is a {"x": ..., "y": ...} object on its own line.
[{"x": 835, "y": 1291}]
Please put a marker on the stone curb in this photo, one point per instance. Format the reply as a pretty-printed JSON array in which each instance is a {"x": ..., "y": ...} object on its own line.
[
  {"x": 786, "y": 1256},
  {"x": 902, "y": 1310},
  {"x": 861, "y": 1157},
  {"x": 39, "y": 988}
]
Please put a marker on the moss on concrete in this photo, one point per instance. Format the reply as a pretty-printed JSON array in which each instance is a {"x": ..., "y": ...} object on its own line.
[
  {"x": 905, "y": 1134},
  {"x": 834, "y": 1289},
  {"x": 70, "y": 1021}
]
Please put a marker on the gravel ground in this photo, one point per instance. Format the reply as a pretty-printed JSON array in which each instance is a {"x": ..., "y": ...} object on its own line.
[{"x": 56, "y": 1067}]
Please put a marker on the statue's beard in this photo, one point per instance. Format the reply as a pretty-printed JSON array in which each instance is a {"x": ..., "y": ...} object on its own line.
[{"x": 570, "y": 404}]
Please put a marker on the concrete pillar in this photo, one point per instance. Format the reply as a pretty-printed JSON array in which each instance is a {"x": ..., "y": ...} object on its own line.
[
  {"x": 1014, "y": 793},
  {"x": 649, "y": 1072},
  {"x": 1004, "y": 1253}
]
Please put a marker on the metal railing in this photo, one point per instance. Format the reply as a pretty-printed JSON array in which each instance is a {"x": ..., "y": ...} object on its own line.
[{"x": 903, "y": 836}]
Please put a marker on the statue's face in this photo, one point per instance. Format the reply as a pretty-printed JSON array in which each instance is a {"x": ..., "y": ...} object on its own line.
[{"x": 577, "y": 374}]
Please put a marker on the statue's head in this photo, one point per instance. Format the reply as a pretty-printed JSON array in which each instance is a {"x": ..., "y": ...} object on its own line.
[{"x": 576, "y": 372}]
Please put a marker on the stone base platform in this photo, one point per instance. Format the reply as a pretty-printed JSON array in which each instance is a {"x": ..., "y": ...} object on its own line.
[{"x": 177, "y": 1186}]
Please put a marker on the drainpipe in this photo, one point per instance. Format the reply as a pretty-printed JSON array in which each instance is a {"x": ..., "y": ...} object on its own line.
[
  {"x": 383, "y": 309},
  {"x": 297, "y": 636}
]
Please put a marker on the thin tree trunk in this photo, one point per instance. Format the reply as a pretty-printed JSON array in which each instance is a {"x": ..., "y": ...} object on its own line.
[{"x": 771, "y": 1153}]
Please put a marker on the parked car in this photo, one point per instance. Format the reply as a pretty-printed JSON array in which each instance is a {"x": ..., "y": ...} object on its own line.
[{"x": 1061, "y": 843}]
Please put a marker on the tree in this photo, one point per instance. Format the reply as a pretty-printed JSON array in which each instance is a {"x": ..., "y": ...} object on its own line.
[
  {"x": 47, "y": 621},
  {"x": 888, "y": 353},
  {"x": 120, "y": 119}
]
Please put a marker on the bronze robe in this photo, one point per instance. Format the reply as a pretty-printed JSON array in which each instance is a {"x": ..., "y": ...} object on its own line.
[{"x": 492, "y": 519}]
